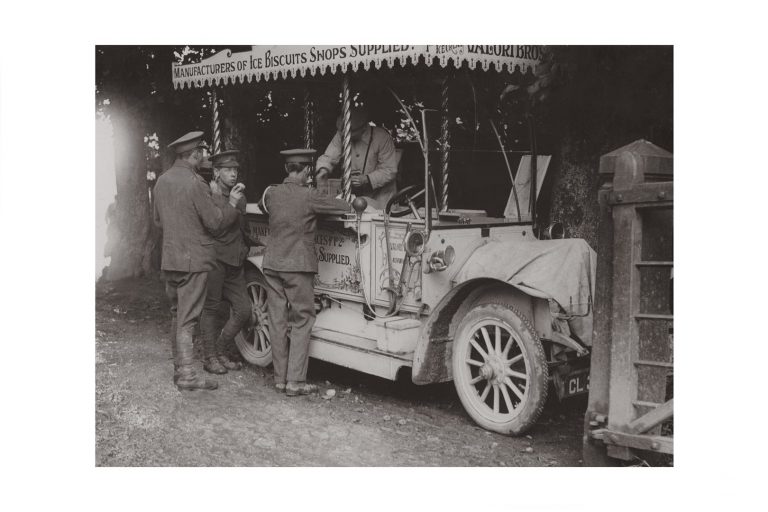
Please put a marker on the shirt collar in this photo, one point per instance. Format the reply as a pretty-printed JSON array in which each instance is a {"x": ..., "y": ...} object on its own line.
[
  {"x": 184, "y": 164},
  {"x": 294, "y": 179}
]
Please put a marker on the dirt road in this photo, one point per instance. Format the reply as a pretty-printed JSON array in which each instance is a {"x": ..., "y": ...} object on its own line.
[{"x": 142, "y": 420}]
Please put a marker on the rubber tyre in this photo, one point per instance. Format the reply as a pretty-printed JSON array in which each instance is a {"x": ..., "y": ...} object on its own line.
[
  {"x": 526, "y": 412},
  {"x": 251, "y": 351}
]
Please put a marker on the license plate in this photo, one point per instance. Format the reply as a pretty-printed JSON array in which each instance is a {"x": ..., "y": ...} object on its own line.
[{"x": 576, "y": 383}]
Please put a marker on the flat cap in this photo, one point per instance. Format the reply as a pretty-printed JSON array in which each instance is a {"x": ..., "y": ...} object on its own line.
[
  {"x": 299, "y": 156},
  {"x": 188, "y": 142},
  {"x": 226, "y": 159}
]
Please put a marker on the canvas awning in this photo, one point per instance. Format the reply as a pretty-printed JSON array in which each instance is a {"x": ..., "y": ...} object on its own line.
[{"x": 272, "y": 62}]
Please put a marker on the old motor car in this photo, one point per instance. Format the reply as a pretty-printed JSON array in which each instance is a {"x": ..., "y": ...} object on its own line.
[{"x": 423, "y": 288}]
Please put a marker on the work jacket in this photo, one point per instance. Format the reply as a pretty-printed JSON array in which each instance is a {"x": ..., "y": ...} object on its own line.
[
  {"x": 380, "y": 165},
  {"x": 293, "y": 210},
  {"x": 231, "y": 246},
  {"x": 186, "y": 212}
]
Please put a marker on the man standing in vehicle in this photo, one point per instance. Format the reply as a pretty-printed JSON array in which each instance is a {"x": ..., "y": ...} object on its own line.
[
  {"x": 374, "y": 162},
  {"x": 227, "y": 279},
  {"x": 290, "y": 265},
  {"x": 188, "y": 216}
]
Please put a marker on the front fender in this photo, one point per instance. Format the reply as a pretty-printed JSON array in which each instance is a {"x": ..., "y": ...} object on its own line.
[
  {"x": 558, "y": 270},
  {"x": 434, "y": 350}
]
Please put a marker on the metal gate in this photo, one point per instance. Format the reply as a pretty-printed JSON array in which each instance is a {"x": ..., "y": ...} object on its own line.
[{"x": 630, "y": 396}]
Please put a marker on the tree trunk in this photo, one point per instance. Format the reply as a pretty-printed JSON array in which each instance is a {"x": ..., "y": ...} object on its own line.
[
  {"x": 134, "y": 233},
  {"x": 574, "y": 192}
]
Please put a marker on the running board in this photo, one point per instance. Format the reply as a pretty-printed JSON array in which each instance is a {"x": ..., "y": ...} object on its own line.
[{"x": 356, "y": 353}]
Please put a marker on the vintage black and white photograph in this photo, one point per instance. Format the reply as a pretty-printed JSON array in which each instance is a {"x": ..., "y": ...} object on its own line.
[
  {"x": 384, "y": 255},
  {"x": 255, "y": 256}
]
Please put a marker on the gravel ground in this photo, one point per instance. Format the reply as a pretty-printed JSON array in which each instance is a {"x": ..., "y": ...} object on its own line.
[{"x": 142, "y": 420}]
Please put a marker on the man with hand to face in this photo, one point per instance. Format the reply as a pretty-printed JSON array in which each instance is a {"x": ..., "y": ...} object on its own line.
[{"x": 226, "y": 281}]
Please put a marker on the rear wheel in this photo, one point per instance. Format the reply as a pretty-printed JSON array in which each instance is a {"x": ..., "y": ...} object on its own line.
[
  {"x": 499, "y": 368},
  {"x": 253, "y": 340}
]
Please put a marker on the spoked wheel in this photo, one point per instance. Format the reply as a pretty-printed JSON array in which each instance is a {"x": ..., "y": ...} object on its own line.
[
  {"x": 253, "y": 340},
  {"x": 499, "y": 369}
]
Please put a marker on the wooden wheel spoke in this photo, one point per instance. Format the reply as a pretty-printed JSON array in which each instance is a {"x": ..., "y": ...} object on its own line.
[
  {"x": 498, "y": 339},
  {"x": 254, "y": 293},
  {"x": 477, "y": 347},
  {"x": 484, "y": 394},
  {"x": 513, "y": 373},
  {"x": 487, "y": 339},
  {"x": 495, "y": 398},
  {"x": 262, "y": 297},
  {"x": 507, "y": 400},
  {"x": 510, "y": 342},
  {"x": 262, "y": 341},
  {"x": 514, "y": 388},
  {"x": 510, "y": 362},
  {"x": 476, "y": 379},
  {"x": 473, "y": 362}
]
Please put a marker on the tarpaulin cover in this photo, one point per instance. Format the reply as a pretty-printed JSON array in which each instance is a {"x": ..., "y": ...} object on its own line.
[{"x": 559, "y": 270}]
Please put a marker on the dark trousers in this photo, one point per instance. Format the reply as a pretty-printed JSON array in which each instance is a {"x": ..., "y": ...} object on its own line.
[
  {"x": 291, "y": 304},
  {"x": 186, "y": 294},
  {"x": 227, "y": 283}
]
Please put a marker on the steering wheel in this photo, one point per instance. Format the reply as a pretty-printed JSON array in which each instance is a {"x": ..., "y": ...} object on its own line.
[{"x": 409, "y": 194}]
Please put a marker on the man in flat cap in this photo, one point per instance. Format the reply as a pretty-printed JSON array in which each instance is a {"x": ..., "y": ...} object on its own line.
[
  {"x": 227, "y": 279},
  {"x": 290, "y": 265},
  {"x": 374, "y": 164},
  {"x": 188, "y": 216}
]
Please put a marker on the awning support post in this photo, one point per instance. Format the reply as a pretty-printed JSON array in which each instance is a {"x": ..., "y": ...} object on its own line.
[
  {"x": 346, "y": 105},
  {"x": 445, "y": 142},
  {"x": 216, "y": 123},
  {"x": 309, "y": 124}
]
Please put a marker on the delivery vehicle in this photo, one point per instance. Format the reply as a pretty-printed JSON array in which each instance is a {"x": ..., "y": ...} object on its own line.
[{"x": 423, "y": 288}]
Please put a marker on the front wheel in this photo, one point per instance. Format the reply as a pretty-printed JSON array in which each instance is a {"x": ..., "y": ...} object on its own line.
[
  {"x": 499, "y": 369},
  {"x": 253, "y": 340}
]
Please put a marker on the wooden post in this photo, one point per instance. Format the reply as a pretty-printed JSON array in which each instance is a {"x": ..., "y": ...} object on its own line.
[
  {"x": 445, "y": 143},
  {"x": 627, "y": 225},
  {"x": 216, "y": 123},
  {"x": 309, "y": 122},
  {"x": 594, "y": 453},
  {"x": 346, "y": 106},
  {"x": 641, "y": 176}
]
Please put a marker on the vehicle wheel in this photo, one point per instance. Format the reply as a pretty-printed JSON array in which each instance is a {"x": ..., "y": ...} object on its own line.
[
  {"x": 253, "y": 340},
  {"x": 499, "y": 368}
]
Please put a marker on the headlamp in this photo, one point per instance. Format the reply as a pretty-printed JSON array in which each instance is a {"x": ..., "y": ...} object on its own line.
[{"x": 414, "y": 242}]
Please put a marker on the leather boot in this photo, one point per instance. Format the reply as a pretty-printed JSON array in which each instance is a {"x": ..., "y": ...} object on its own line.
[
  {"x": 188, "y": 379},
  {"x": 299, "y": 388},
  {"x": 229, "y": 364},
  {"x": 196, "y": 382},
  {"x": 212, "y": 365}
]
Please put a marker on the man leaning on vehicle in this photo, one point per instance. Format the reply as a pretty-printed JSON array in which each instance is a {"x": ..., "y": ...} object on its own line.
[{"x": 290, "y": 265}]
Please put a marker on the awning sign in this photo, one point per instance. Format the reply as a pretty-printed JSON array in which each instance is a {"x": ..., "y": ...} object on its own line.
[{"x": 272, "y": 62}]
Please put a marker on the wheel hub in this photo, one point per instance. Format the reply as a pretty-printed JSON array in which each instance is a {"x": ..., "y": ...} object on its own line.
[{"x": 494, "y": 369}]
